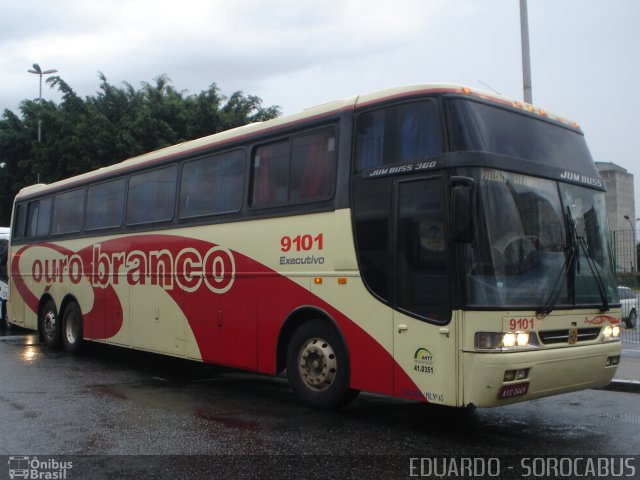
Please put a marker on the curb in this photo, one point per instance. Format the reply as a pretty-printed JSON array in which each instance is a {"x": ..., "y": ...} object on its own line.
[{"x": 618, "y": 385}]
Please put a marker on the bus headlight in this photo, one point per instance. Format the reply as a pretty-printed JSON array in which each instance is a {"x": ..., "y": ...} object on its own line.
[
  {"x": 611, "y": 332},
  {"x": 509, "y": 340},
  {"x": 505, "y": 341}
]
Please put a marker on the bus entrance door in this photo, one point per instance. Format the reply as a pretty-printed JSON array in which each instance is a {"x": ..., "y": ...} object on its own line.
[{"x": 424, "y": 330}]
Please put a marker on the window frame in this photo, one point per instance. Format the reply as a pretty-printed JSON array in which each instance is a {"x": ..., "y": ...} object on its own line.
[
  {"x": 123, "y": 179},
  {"x": 33, "y": 204},
  {"x": 130, "y": 176},
  {"x": 83, "y": 189},
  {"x": 435, "y": 100},
  {"x": 36, "y": 234},
  {"x": 212, "y": 156},
  {"x": 333, "y": 129}
]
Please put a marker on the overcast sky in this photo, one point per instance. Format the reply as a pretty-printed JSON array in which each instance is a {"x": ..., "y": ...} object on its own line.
[{"x": 300, "y": 53}]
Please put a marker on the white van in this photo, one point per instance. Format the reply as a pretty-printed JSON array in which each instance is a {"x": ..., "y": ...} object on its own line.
[{"x": 4, "y": 290}]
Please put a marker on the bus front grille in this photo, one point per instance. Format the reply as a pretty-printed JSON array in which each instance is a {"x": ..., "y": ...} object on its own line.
[{"x": 562, "y": 336}]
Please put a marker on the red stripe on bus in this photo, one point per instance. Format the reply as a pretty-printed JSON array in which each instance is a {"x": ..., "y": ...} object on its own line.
[
  {"x": 104, "y": 320},
  {"x": 235, "y": 306}
]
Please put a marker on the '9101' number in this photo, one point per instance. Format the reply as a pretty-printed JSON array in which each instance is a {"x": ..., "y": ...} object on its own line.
[
  {"x": 301, "y": 243},
  {"x": 522, "y": 324}
]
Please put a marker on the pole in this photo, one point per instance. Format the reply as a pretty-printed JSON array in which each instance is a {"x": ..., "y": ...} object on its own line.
[
  {"x": 526, "y": 58},
  {"x": 633, "y": 239},
  {"x": 40, "y": 112},
  {"x": 38, "y": 71}
]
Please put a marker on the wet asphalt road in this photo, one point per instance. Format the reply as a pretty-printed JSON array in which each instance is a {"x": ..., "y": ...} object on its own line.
[{"x": 109, "y": 402}]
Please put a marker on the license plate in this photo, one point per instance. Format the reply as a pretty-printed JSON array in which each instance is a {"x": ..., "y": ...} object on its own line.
[{"x": 514, "y": 390}]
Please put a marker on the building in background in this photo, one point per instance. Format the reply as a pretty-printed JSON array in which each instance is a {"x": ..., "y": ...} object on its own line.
[{"x": 620, "y": 200}]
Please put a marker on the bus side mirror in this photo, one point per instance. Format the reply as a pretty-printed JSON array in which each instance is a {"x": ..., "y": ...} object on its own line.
[{"x": 462, "y": 209}]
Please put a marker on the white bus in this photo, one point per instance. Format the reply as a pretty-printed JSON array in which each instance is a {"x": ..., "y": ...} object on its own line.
[
  {"x": 430, "y": 242},
  {"x": 4, "y": 279}
]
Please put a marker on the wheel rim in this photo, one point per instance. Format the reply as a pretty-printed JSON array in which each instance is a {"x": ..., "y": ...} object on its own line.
[
  {"x": 49, "y": 324},
  {"x": 317, "y": 364},
  {"x": 71, "y": 328}
]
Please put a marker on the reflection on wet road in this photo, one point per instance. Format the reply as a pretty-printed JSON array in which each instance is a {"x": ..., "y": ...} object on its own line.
[{"x": 114, "y": 401}]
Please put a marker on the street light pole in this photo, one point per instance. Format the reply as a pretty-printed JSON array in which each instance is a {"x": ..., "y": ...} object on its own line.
[
  {"x": 526, "y": 57},
  {"x": 633, "y": 234},
  {"x": 38, "y": 71}
]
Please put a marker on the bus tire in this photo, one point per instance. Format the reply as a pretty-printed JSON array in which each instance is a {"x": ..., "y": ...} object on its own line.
[
  {"x": 72, "y": 323},
  {"x": 632, "y": 319},
  {"x": 318, "y": 367},
  {"x": 50, "y": 327}
]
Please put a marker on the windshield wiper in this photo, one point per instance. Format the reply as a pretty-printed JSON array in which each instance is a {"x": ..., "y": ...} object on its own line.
[
  {"x": 574, "y": 241},
  {"x": 596, "y": 274},
  {"x": 570, "y": 256}
]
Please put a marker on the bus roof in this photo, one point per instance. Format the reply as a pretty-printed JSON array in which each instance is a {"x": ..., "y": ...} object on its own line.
[{"x": 254, "y": 129}]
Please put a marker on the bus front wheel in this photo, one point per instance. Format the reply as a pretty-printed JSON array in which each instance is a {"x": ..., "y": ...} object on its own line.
[
  {"x": 317, "y": 366},
  {"x": 72, "y": 328},
  {"x": 50, "y": 325}
]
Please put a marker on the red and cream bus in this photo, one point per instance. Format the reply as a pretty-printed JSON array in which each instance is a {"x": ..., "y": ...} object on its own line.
[{"x": 430, "y": 242}]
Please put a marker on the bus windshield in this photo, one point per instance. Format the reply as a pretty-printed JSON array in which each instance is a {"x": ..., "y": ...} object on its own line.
[{"x": 538, "y": 242}]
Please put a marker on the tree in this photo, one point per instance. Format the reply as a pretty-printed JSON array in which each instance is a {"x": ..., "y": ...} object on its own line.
[{"x": 79, "y": 135}]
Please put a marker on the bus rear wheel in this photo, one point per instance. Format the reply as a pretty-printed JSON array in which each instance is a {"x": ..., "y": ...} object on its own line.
[
  {"x": 72, "y": 328},
  {"x": 50, "y": 325},
  {"x": 318, "y": 367}
]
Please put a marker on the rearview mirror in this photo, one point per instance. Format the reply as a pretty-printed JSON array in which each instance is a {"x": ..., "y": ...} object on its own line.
[{"x": 462, "y": 209}]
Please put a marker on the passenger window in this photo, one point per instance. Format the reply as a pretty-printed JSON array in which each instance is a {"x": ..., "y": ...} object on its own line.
[
  {"x": 296, "y": 170},
  {"x": 38, "y": 218},
  {"x": 212, "y": 185},
  {"x": 105, "y": 204},
  {"x": 152, "y": 196},
  {"x": 313, "y": 166},
  {"x": 44, "y": 218},
  {"x": 270, "y": 174},
  {"x": 68, "y": 210},
  {"x": 397, "y": 134},
  {"x": 32, "y": 218}
]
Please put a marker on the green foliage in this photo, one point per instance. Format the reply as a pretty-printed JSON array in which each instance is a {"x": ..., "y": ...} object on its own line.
[{"x": 79, "y": 135}]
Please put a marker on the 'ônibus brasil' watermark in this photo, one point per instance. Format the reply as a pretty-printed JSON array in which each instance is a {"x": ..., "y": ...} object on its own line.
[{"x": 38, "y": 468}]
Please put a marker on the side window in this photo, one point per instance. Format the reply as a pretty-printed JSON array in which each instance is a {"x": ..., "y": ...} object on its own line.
[
  {"x": 270, "y": 174},
  {"x": 105, "y": 204},
  {"x": 421, "y": 257},
  {"x": 212, "y": 185},
  {"x": 38, "y": 218},
  {"x": 396, "y": 134},
  {"x": 44, "y": 218},
  {"x": 68, "y": 210},
  {"x": 300, "y": 169},
  {"x": 32, "y": 218},
  {"x": 313, "y": 166},
  {"x": 152, "y": 196}
]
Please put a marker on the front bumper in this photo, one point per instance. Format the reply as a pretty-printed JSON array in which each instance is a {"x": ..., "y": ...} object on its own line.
[{"x": 550, "y": 372}]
